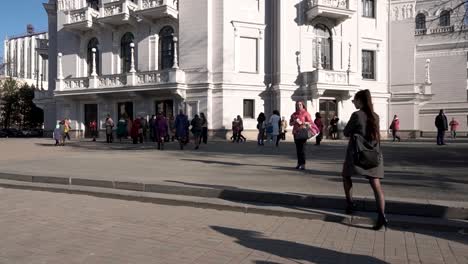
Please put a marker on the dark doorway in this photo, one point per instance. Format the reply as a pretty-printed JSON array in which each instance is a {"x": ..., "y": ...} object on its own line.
[
  {"x": 328, "y": 109},
  {"x": 90, "y": 114},
  {"x": 125, "y": 110},
  {"x": 166, "y": 107}
]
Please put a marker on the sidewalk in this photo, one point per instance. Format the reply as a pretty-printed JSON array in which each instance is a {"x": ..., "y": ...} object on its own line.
[{"x": 42, "y": 227}]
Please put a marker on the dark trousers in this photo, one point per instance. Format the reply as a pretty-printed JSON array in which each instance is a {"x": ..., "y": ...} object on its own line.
[
  {"x": 440, "y": 136},
  {"x": 109, "y": 138},
  {"x": 300, "y": 150},
  {"x": 318, "y": 139},
  {"x": 395, "y": 135},
  {"x": 204, "y": 135}
]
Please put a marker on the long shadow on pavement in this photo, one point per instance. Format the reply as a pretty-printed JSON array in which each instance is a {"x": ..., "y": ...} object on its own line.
[{"x": 292, "y": 250}]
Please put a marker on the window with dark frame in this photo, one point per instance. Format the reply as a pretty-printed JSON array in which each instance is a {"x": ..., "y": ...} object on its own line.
[
  {"x": 421, "y": 21},
  {"x": 126, "y": 51},
  {"x": 166, "y": 42},
  {"x": 249, "y": 108},
  {"x": 93, "y": 43},
  {"x": 368, "y": 8},
  {"x": 368, "y": 64},
  {"x": 444, "y": 19}
]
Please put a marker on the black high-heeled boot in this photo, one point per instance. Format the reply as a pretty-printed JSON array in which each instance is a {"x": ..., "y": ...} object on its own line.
[
  {"x": 381, "y": 222},
  {"x": 350, "y": 208}
]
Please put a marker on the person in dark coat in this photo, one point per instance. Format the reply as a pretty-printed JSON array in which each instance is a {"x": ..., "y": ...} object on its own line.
[
  {"x": 364, "y": 122},
  {"x": 181, "y": 128},
  {"x": 160, "y": 130},
  {"x": 204, "y": 134},
  {"x": 196, "y": 130},
  {"x": 319, "y": 124},
  {"x": 261, "y": 128},
  {"x": 136, "y": 130},
  {"x": 334, "y": 127},
  {"x": 442, "y": 126}
]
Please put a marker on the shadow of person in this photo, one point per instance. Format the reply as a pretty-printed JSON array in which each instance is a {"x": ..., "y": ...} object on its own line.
[{"x": 292, "y": 250}]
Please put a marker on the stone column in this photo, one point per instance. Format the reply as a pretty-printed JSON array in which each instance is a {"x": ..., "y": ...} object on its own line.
[
  {"x": 176, "y": 59},
  {"x": 132, "y": 58},
  {"x": 59, "y": 68},
  {"x": 93, "y": 70},
  {"x": 319, "y": 54}
]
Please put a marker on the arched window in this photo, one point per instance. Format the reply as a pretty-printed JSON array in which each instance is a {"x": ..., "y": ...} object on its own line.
[
  {"x": 126, "y": 52},
  {"x": 93, "y": 43},
  {"x": 93, "y": 4},
  {"x": 166, "y": 44},
  {"x": 421, "y": 21},
  {"x": 444, "y": 19},
  {"x": 323, "y": 34}
]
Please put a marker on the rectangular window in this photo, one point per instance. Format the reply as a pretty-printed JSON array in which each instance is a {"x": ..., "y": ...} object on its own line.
[
  {"x": 368, "y": 7},
  {"x": 249, "y": 109},
  {"x": 368, "y": 64},
  {"x": 248, "y": 55}
]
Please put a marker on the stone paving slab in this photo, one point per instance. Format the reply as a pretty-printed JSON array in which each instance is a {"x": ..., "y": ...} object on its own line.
[
  {"x": 43, "y": 227},
  {"x": 330, "y": 215}
]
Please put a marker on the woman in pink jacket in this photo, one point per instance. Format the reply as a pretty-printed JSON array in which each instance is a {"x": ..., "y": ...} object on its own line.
[{"x": 298, "y": 120}]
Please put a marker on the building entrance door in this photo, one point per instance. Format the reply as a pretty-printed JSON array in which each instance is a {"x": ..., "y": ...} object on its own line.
[
  {"x": 90, "y": 114},
  {"x": 328, "y": 109},
  {"x": 166, "y": 107}
]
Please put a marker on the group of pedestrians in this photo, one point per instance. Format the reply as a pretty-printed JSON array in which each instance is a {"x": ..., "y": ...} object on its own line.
[
  {"x": 274, "y": 130},
  {"x": 62, "y": 132}
]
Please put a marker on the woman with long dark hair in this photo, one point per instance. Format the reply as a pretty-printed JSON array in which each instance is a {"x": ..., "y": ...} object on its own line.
[
  {"x": 364, "y": 122},
  {"x": 261, "y": 128}
]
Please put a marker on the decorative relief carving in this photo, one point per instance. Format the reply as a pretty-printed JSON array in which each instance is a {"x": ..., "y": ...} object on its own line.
[
  {"x": 402, "y": 12},
  {"x": 330, "y": 3},
  {"x": 76, "y": 83},
  {"x": 114, "y": 9},
  {"x": 112, "y": 80},
  {"x": 153, "y": 77}
]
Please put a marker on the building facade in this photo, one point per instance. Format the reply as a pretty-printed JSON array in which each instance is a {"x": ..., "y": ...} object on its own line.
[
  {"x": 223, "y": 58},
  {"x": 25, "y": 58},
  {"x": 429, "y": 63}
]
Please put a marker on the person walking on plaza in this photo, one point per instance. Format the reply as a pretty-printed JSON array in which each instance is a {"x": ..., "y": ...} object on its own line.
[
  {"x": 196, "y": 130},
  {"x": 151, "y": 126},
  {"x": 235, "y": 131},
  {"x": 363, "y": 128},
  {"x": 442, "y": 126},
  {"x": 299, "y": 120},
  {"x": 121, "y": 129},
  {"x": 109, "y": 124},
  {"x": 171, "y": 126},
  {"x": 93, "y": 129},
  {"x": 275, "y": 121},
  {"x": 261, "y": 128},
  {"x": 284, "y": 128},
  {"x": 319, "y": 124},
  {"x": 334, "y": 127},
  {"x": 160, "y": 129},
  {"x": 136, "y": 130},
  {"x": 58, "y": 135},
  {"x": 204, "y": 133},
  {"x": 395, "y": 127},
  {"x": 67, "y": 128},
  {"x": 144, "y": 129},
  {"x": 454, "y": 127},
  {"x": 181, "y": 125},
  {"x": 240, "y": 137}
]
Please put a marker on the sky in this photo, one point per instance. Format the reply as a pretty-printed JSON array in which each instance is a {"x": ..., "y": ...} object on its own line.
[{"x": 16, "y": 14}]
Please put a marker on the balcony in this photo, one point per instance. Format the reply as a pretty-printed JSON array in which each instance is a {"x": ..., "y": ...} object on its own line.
[
  {"x": 446, "y": 29},
  {"x": 336, "y": 10},
  {"x": 117, "y": 13},
  {"x": 156, "y": 9},
  {"x": 118, "y": 82},
  {"x": 80, "y": 19},
  {"x": 320, "y": 81},
  {"x": 421, "y": 31}
]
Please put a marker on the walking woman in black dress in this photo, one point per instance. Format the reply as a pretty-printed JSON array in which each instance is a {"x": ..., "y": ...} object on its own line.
[{"x": 364, "y": 122}]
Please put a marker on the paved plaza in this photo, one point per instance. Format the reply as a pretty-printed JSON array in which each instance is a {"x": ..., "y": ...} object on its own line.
[
  {"x": 42, "y": 227},
  {"x": 419, "y": 170}
]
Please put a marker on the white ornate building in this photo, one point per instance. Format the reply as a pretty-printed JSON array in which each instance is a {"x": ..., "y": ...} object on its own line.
[
  {"x": 429, "y": 63},
  {"x": 223, "y": 58},
  {"x": 25, "y": 58}
]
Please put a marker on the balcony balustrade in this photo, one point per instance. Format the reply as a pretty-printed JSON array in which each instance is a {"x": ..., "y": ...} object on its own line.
[
  {"x": 446, "y": 29},
  {"x": 155, "y": 9},
  {"x": 118, "y": 81},
  {"x": 80, "y": 19},
  {"x": 336, "y": 10},
  {"x": 118, "y": 12}
]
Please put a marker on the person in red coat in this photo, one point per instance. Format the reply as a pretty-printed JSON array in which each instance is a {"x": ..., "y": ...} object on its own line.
[
  {"x": 135, "y": 131},
  {"x": 319, "y": 124},
  {"x": 395, "y": 127}
]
